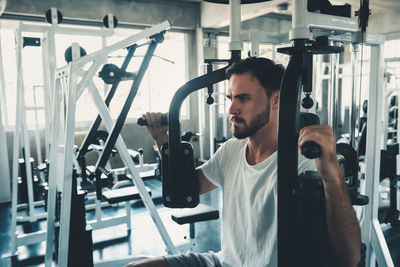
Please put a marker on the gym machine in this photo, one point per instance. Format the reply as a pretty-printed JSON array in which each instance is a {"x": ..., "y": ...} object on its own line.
[
  {"x": 178, "y": 167},
  {"x": 388, "y": 212},
  {"x": 216, "y": 131},
  {"x": 21, "y": 138},
  {"x": 68, "y": 78},
  {"x": 304, "y": 24},
  {"x": 310, "y": 36},
  {"x": 301, "y": 204},
  {"x": 101, "y": 175}
]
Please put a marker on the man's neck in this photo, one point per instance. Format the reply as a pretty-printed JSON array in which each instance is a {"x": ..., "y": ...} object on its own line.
[{"x": 262, "y": 145}]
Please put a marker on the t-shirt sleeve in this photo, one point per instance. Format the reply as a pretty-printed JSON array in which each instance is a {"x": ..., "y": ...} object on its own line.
[{"x": 213, "y": 168}]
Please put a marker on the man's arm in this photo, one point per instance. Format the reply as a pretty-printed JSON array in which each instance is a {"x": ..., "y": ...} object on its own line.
[
  {"x": 159, "y": 133},
  {"x": 343, "y": 227},
  {"x": 204, "y": 183}
]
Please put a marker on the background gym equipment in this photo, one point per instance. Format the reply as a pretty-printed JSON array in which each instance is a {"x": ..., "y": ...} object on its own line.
[
  {"x": 75, "y": 89},
  {"x": 21, "y": 141},
  {"x": 301, "y": 208},
  {"x": 337, "y": 72},
  {"x": 21, "y": 147},
  {"x": 176, "y": 151},
  {"x": 5, "y": 191},
  {"x": 191, "y": 216}
]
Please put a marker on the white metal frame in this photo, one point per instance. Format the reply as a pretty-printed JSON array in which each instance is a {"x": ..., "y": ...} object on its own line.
[
  {"x": 237, "y": 37},
  {"x": 21, "y": 140},
  {"x": 372, "y": 234},
  {"x": 21, "y": 137},
  {"x": 308, "y": 25},
  {"x": 75, "y": 87},
  {"x": 5, "y": 192},
  {"x": 3, "y": 99},
  {"x": 35, "y": 108},
  {"x": 99, "y": 222}
]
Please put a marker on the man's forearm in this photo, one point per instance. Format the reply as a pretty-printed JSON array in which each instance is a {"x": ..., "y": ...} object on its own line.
[
  {"x": 343, "y": 227},
  {"x": 159, "y": 141}
]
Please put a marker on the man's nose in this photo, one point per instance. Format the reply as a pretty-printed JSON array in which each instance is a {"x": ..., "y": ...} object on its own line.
[{"x": 233, "y": 108}]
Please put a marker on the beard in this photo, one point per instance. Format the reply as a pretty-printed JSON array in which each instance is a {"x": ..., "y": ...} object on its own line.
[{"x": 255, "y": 124}]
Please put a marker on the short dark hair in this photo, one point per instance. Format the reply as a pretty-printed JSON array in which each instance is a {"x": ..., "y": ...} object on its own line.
[{"x": 265, "y": 70}]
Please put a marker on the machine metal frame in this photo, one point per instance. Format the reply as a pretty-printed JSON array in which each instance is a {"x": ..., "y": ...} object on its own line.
[
  {"x": 4, "y": 165},
  {"x": 372, "y": 234},
  {"x": 71, "y": 74},
  {"x": 307, "y": 25},
  {"x": 49, "y": 66}
]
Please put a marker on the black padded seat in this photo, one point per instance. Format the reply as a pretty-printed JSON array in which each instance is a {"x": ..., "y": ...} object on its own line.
[
  {"x": 123, "y": 194},
  {"x": 192, "y": 215}
]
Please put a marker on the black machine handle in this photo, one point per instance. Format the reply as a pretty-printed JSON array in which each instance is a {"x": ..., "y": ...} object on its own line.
[
  {"x": 143, "y": 122},
  {"x": 311, "y": 150}
]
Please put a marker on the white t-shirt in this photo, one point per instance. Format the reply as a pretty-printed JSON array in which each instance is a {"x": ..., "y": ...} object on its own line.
[{"x": 249, "y": 214}]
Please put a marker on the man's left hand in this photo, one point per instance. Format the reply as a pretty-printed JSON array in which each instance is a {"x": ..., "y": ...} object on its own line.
[{"x": 327, "y": 164}]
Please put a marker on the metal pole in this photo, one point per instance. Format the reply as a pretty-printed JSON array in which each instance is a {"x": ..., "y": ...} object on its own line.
[
  {"x": 54, "y": 158},
  {"x": 3, "y": 98},
  {"x": 354, "y": 114},
  {"x": 37, "y": 130},
  {"x": 68, "y": 167},
  {"x": 333, "y": 93},
  {"x": 235, "y": 43},
  {"x": 4, "y": 164},
  {"x": 16, "y": 141},
  {"x": 371, "y": 231},
  {"x": 126, "y": 158},
  {"x": 47, "y": 93}
]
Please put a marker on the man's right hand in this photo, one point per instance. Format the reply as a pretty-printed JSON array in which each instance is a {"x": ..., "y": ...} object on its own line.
[{"x": 156, "y": 130}]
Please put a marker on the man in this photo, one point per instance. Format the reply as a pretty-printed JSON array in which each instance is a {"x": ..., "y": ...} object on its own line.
[{"x": 245, "y": 167}]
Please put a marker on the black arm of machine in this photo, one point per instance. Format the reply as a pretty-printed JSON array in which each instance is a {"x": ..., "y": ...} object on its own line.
[
  {"x": 92, "y": 134},
  {"x": 112, "y": 138},
  {"x": 180, "y": 184},
  {"x": 301, "y": 208},
  {"x": 114, "y": 134}
]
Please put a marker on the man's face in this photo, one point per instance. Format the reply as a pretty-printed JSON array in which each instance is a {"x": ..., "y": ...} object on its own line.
[{"x": 250, "y": 105}]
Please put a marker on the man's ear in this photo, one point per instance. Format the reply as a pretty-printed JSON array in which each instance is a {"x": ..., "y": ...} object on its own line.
[{"x": 275, "y": 100}]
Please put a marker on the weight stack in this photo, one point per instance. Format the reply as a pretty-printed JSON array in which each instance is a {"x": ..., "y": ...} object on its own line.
[
  {"x": 80, "y": 247},
  {"x": 23, "y": 184},
  {"x": 80, "y": 236}
]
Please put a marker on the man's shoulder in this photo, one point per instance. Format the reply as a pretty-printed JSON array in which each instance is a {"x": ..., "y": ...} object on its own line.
[{"x": 234, "y": 143}]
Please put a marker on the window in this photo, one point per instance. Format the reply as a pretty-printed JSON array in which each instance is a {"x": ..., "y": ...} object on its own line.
[
  {"x": 166, "y": 73},
  {"x": 392, "y": 49},
  {"x": 392, "y": 58}
]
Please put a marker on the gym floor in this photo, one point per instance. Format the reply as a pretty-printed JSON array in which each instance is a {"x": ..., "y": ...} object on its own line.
[{"x": 116, "y": 242}]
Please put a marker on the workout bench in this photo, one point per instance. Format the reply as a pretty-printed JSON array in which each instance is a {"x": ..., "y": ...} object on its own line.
[
  {"x": 191, "y": 216},
  {"x": 115, "y": 196}
]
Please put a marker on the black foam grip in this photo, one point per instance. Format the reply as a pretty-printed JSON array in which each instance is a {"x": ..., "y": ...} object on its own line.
[
  {"x": 311, "y": 150},
  {"x": 143, "y": 122}
]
